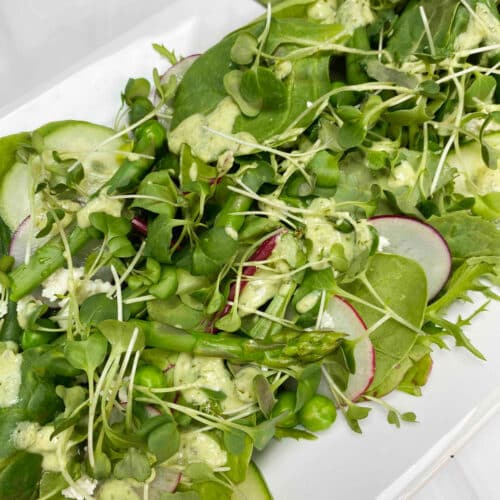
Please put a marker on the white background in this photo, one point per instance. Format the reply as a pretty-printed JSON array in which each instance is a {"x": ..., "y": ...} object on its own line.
[{"x": 43, "y": 41}]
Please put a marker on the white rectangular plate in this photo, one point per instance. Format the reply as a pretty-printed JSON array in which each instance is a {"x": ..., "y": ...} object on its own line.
[{"x": 340, "y": 464}]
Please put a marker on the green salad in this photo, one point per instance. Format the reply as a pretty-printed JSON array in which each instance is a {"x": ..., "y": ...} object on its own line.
[{"x": 267, "y": 239}]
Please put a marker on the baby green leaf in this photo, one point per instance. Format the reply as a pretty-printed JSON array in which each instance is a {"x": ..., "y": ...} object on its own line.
[
  {"x": 308, "y": 382},
  {"x": 119, "y": 335},
  {"x": 264, "y": 393},
  {"x": 102, "y": 467},
  {"x": 199, "y": 471},
  {"x": 99, "y": 307},
  {"x": 164, "y": 441},
  {"x": 235, "y": 441},
  {"x": 88, "y": 354},
  {"x": 351, "y": 134},
  {"x": 232, "y": 85},
  {"x": 393, "y": 418},
  {"x": 133, "y": 465},
  {"x": 244, "y": 49}
]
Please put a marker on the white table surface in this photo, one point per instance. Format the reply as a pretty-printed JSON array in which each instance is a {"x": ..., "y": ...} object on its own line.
[{"x": 41, "y": 41}]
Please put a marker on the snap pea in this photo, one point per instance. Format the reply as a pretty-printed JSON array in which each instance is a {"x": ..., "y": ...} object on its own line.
[
  {"x": 150, "y": 376},
  {"x": 35, "y": 338},
  {"x": 219, "y": 243},
  {"x": 354, "y": 73},
  {"x": 253, "y": 178},
  {"x": 150, "y": 137}
]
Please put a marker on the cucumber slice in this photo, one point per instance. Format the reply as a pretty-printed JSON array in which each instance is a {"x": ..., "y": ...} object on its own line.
[
  {"x": 84, "y": 141},
  {"x": 8, "y": 148},
  {"x": 14, "y": 195},
  {"x": 254, "y": 486},
  {"x": 72, "y": 140}
]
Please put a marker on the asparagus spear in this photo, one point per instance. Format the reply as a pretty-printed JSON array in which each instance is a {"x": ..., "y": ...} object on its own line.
[{"x": 291, "y": 347}]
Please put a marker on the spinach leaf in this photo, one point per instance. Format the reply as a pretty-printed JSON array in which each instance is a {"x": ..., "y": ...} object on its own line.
[
  {"x": 410, "y": 35},
  {"x": 401, "y": 285},
  {"x": 468, "y": 235},
  {"x": 20, "y": 476}
]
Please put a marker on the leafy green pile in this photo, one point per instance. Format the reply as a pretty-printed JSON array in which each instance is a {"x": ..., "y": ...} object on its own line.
[{"x": 173, "y": 320}]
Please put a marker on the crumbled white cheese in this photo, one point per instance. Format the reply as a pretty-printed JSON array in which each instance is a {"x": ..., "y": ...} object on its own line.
[
  {"x": 84, "y": 485},
  {"x": 56, "y": 287},
  {"x": 10, "y": 377},
  {"x": 383, "y": 243}
]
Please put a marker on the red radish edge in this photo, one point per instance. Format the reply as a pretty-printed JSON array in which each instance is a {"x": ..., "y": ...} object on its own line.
[
  {"x": 140, "y": 225},
  {"x": 372, "y": 360},
  {"x": 435, "y": 232},
  {"x": 178, "y": 70},
  {"x": 179, "y": 67},
  {"x": 179, "y": 478}
]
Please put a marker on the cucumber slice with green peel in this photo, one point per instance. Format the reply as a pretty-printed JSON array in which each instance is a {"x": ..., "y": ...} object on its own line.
[
  {"x": 254, "y": 486},
  {"x": 14, "y": 195},
  {"x": 95, "y": 146},
  {"x": 72, "y": 140},
  {"x": 8, "y": 149}
]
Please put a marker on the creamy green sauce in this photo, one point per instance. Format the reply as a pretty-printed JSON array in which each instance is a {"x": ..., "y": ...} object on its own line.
[
  {"x": 205, "y": 144},
  {"x": 196, "y": 447},
  {"x": 351, "y": 14},
  {"x": 205, "y": 372},
  {"x": 243, "y": 382},
  {"x": 403, "y": 176},
  {"x": 32, "y": 437},
  {"x": 101, "y": 203},
  {"x": 483, "y": 27},
  {"x": 266, "y": 283},
  {"x": 324, "y": 238},
  {"x": 10, "y": 377}
]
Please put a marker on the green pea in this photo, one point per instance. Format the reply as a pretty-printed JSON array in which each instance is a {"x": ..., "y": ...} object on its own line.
[
  {"x": 325, "y": 167},
  {"x": 33, "y": 338},
  {"x": 150, "y": 376},
  {"x": 153, "y": 131},
  {"x": 139, "y": 108},
  {"x": 286, "y": 403},
  {"x": 318, "y": 413}
]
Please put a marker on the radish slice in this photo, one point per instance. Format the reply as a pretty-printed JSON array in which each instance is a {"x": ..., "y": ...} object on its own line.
[
  {"x": 340, "y": 316},
  {"x": 178, "y": 70},
  {"x": 20, "y": 238},
  {"x": 419, "y": 241}
]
